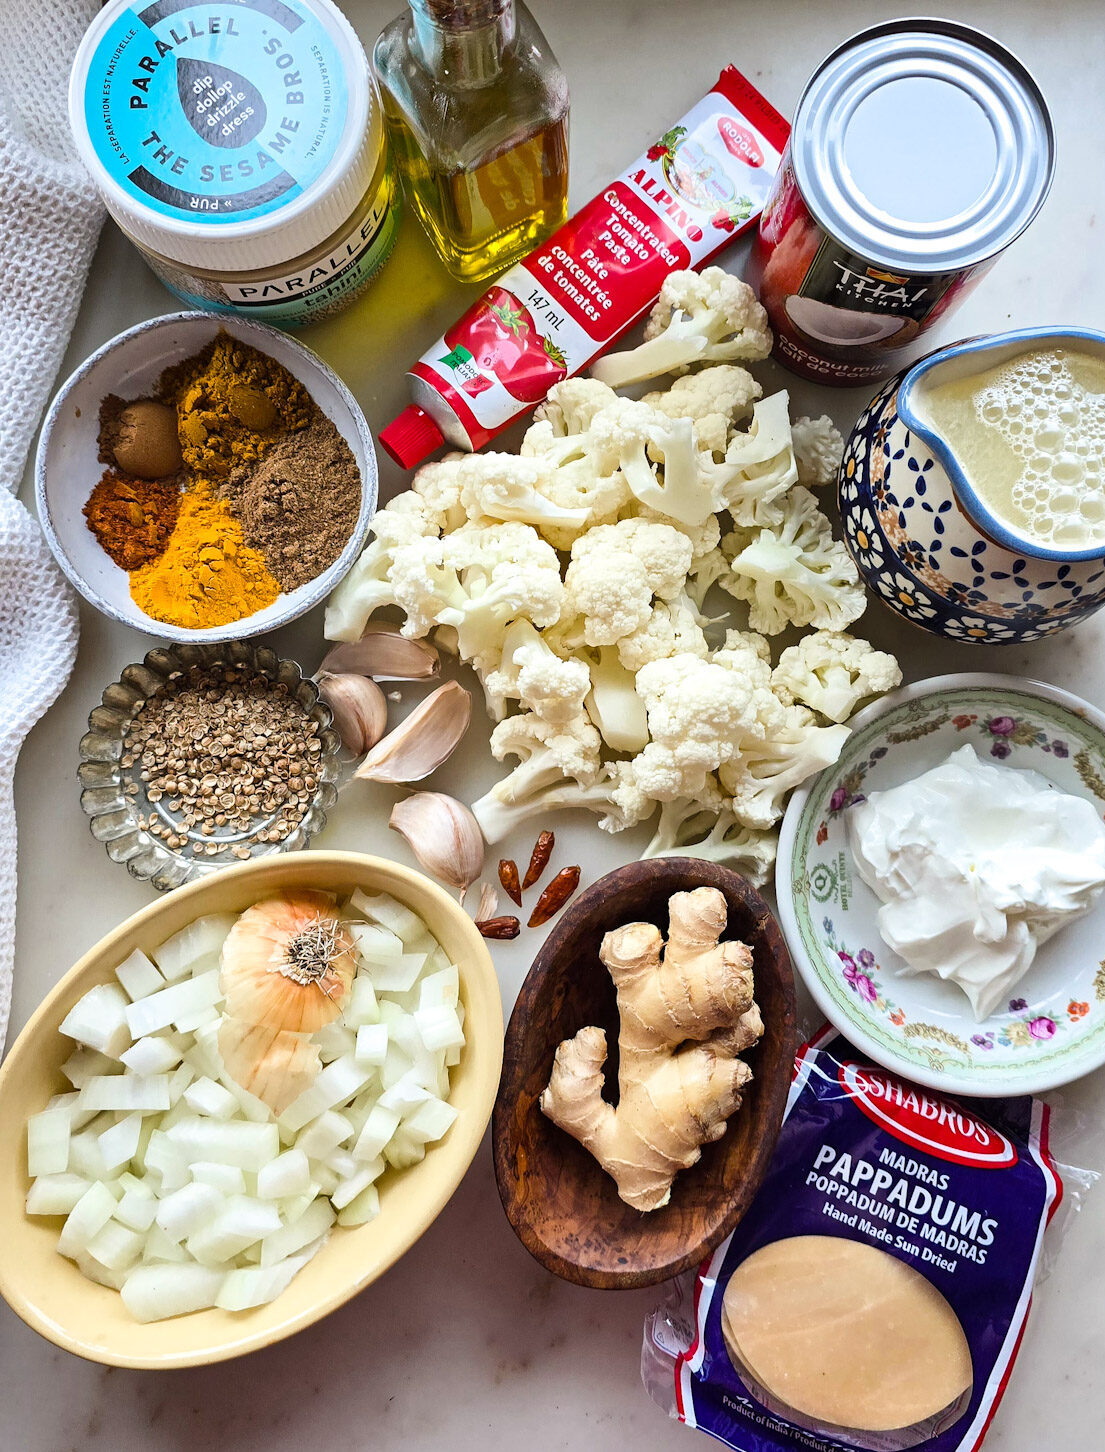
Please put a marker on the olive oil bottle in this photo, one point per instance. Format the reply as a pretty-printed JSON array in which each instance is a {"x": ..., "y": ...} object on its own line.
[{"x": 477, "y": 110}]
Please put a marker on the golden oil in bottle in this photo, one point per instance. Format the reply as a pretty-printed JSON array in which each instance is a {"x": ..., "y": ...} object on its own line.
[{"x": 477, "y": 108}]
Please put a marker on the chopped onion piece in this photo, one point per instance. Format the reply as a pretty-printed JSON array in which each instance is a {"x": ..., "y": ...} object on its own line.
[
  {"x": 182, "y": 1076},
  {"x": 190, "y": 1022},
  {"x": 334, "y": 1040},
  {"x": 342, "y": 1162},
  {"x": 178, "y": 1000},
  {"x": 288, "y": 1174},
  {"x": 168, "y": 1160},
  {"x": 372, "y": 1043},
  {"x": 195, "y": 948},
  {"x": 324, "y": 1134},
  {"x": 116, "y": 1246},
  {"x": 204, "y": 1055},
  {"x": 396, "y": 975},
  {"x": 48, "y": 1142},
  {"x": 403, "y": 1152},
  {"x": 374, "y": 942},
  {"x": 188, "y": 1208},
  {"x": 84, "y": 1064},
  {"x": 152, "y": 1055},
  {"x": 159, "y": 1248},
  {"x": 204, "y": 1096},
  {"x": 441, "y": 989},
  {"x": 138, "y": 976},
  {"x": 55, "y": 1194},
  {"x": 316, "y": 1220},
  {"x": 154, "y": 1292},
  {"x": 351, "y": 1186},
  {"x": 136, "y": 1209},
  {"x": 99, "y": 1020},
  {"x": 379, "y": 1127},
  {"x": 439, "y": 1028},
  {"x": 227, "y": 1179},
  {"x": 430, "y": 1121},
  {"x": 258, "y": 1285},
  {"x": 363, "y": 1208},
  {"x": 338, "y": 1081},
  {"x": 362, "y": 1007},
  {"x": 85, "y": 1155},
  {"x": 120, "y": 1143},
  {"x": 249, "y": 1146},
  {"x": 127, "y": 1092},
  {"x": 241, "y": 1221},
  {"x": 91, "y": 1268},
  {"x": 382, "y": 908},
  {"x": 87, "y": 1218}
]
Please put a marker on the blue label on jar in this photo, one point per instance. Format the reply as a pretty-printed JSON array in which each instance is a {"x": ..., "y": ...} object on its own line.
[{"x": 215, "y": 112}]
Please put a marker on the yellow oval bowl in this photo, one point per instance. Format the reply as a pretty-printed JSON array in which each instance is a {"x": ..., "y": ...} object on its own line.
[{"x": 51, "y": 1294}]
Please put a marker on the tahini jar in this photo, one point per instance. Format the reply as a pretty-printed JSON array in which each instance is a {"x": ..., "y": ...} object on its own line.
[
  {"x": 241, "y": 148},
  {"x": 919, "y": 151}
]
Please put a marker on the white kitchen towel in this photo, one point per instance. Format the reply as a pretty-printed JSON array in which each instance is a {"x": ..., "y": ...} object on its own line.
[{"x": 50, "y": 218}]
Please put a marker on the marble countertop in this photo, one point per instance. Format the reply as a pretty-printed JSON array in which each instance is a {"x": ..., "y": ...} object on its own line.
[{"x": 467, "y": 1342}]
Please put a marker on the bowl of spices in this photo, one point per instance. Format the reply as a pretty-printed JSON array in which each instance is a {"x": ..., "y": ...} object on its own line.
[
  {"x": 199, "y": 757},
  {"x": 205, "y": 479}
]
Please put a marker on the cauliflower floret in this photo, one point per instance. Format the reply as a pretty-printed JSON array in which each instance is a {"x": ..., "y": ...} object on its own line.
[
  {"x": 699, "y": 712},
  {"x": 834, "y": 673},
  {"x": 614, "y": 705},
  {"x": 631, "y": 436},
  {"x": 665, "y": 552},
  {"x": 616, "y": 570},
  {"x": 368, "y": 588},
  {"x": 713, "y": 399},
  {"x": 708, "y": 829},
  {"x": 573, "y": 403},
  {"x": 672, "y": 629},
  {"x": 438, "y": 485},
  {"x": 758, "y": 468},
  {"x": 613, "y": 794},
  {"x": 572, "y": 481},
  {"x": 797, "y": 574},
  {"x": 529, "y": 672},
  {"x": 505, "y": 486},
  {"x": 699, "y": 317},
  {"x": 818, "y": 450},
  {"x": 759, "y": 779},
  {"x": 476, "y": 581}
]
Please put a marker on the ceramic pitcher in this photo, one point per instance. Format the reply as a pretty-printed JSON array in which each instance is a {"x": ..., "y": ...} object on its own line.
[{"x": 925, "y": 542}]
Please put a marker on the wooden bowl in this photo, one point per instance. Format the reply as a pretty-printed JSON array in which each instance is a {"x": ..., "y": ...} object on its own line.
[{"x": 565, "y": 1210}]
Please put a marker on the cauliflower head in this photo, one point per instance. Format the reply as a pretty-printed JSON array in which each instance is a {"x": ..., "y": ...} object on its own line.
[{"x": 834, "y": 673}]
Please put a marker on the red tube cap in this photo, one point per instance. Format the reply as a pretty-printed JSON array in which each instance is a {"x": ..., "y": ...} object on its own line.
[{"x": 411, "y": 437}]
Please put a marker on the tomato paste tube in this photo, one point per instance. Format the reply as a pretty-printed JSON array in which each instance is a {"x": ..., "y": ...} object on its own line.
[{"x": 702, "y": 184}]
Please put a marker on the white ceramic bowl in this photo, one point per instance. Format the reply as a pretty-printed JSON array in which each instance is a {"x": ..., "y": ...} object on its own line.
[
  {"x": 67, "y": 468},
  {"x": 1052, "y": 1027}
]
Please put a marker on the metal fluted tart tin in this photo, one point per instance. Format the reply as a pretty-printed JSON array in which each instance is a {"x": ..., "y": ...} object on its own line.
[{"x": 115, "y": 811}]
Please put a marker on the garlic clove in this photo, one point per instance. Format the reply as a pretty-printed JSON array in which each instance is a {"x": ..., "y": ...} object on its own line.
[
  {"x": 489, "y": 903},
  {"x": 359, "y": 708},
  {"x": 383, "y": 653},
  {"x": 444, "y": 836},
  {"x": 423, "y": 741}
]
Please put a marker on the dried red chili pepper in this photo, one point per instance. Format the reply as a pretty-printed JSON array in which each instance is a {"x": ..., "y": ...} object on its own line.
[
  {"x": 542, "y": 851},
  {"x": 555, "y": 896},
  {"x": 508, "y": 876},
  {"x": 500, "y": 927}
]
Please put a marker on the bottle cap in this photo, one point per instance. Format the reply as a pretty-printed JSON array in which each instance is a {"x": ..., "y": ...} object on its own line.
[{"x": 411, "y": 437}]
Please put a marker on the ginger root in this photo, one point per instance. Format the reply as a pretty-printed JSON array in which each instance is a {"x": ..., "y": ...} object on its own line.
[{"x": 686, "y": 1012}]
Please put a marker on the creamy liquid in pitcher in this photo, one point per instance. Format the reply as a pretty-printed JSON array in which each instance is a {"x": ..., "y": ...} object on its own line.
[{"x": 1029, "y": 435}]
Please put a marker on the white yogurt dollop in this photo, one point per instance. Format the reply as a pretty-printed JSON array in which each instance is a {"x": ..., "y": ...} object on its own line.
[{"x": 976, "y": 865}]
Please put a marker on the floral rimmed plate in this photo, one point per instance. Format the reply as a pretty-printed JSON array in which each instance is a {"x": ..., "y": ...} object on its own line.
[
  {"x": 1053, "y": 1028},
  {"x": 114, "y": 796}
]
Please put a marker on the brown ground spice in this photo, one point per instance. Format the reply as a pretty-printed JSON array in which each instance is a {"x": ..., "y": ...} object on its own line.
[
  {"x": 300, "y": 504},
  {"x": 233, "y": 404},
  {"x": 133, "y": 518}
]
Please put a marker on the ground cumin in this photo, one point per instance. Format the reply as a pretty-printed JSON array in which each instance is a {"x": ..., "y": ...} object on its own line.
[
  {"x": 133, "y": 518},
  {"x": 300, "y": 504},
  {"x": 207, "y": 574},
  {"x": 232, "y": 404}
]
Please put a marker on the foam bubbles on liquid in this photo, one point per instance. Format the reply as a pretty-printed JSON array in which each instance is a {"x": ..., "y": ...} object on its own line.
[{"x": 1056, "y": 427}]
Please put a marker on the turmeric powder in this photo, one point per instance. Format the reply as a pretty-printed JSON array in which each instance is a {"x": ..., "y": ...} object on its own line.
[
  {"x": 232, "y": 402},
  {"x": 207, "y": 575}
]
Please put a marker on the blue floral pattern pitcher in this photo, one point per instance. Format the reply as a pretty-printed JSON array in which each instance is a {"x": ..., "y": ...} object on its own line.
[{"x": 924, "y": 542}]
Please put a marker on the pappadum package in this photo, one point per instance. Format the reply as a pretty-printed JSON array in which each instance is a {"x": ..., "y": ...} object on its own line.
[{"x": 875, "y": 1293}]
